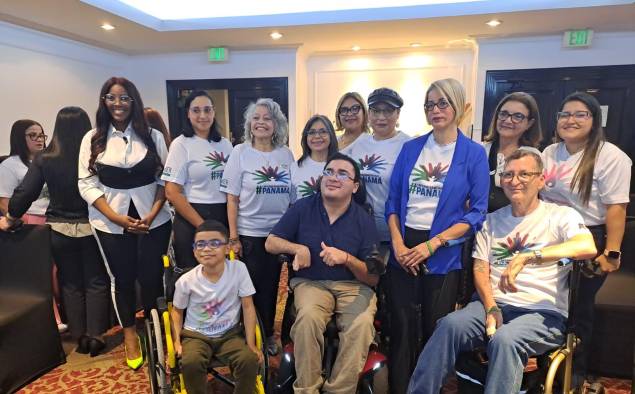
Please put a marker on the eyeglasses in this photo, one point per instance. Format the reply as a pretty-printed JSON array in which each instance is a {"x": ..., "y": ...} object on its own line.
[
  {"x": 316, "y": 132},
  {"x": 387, "y": 112},
  {"x": 577, "y": 115},
  {"x": 198, "y": 110},
  {"x": 516, "y": 117},
  {"x": 441, "y": 104},
  {"x": 523, "y": 176},
  {"x": 340, "y": 175},
  {"x": 111, "y": 98},
  {"x": 37, "y": 136},
  {"x": 350, "y": 110},
  {"x": 212, "y": 243}
]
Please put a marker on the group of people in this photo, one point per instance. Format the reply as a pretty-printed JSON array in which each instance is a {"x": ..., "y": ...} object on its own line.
[{"x": 372, "y": 188}]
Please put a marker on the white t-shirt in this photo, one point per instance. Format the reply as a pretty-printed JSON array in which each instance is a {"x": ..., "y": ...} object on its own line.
[
  {"x": 540, "y": 286},
  {"x": 500, "y": 160},
  {"x": 426, "y": 183},
  {"x": 376, "y": 159},
  {"x": 262, "y": 182},
  {"x": 304, "y": 178},
  {"x": 12, "y": 172},
  {"x": 197, "y": 164},
  {"x": 611, "y": 180},
  {"x": 349, "y": 148},
  {"x": 213, "y": 308}
]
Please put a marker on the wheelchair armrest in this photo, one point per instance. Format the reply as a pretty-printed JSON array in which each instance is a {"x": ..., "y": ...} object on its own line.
[{"x": 377, "y": 260}]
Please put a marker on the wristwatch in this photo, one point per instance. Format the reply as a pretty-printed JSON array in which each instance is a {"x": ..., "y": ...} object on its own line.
[{"x": 612, "y": 254}]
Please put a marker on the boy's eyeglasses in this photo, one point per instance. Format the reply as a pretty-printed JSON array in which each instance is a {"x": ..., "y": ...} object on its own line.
[
  {"x": 340, "y": 176},
  {"x": 212, "y": 243}
]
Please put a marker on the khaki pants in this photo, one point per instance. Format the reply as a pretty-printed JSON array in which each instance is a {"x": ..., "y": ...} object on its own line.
[
  {"x": 230, "y": 349},
  {"x": 354, "y": 305}
]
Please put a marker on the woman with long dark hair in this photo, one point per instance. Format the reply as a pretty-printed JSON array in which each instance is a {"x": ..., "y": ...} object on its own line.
[
  {"x": 515, "y": 125},
  {"x": 588, "y": 173},
  {"x": 81, "y": 272},
  {"x": 119, "y": 165},
  {"x": 192, "y": 174},
  {"x": 318, "y": 144}
]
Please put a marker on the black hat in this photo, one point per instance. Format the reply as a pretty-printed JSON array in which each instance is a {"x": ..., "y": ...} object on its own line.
[{"x": 385, "y": 95}]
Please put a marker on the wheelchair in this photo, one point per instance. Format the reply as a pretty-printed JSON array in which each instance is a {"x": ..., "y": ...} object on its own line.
[
  {"x": 374, "y": 375},
  {"x": 162, "y": 362},
  {"x": 554, "y": 370}
]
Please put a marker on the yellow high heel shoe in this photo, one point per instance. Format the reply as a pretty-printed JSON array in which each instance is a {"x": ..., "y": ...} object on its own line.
[{"x": 135, "y": 363}]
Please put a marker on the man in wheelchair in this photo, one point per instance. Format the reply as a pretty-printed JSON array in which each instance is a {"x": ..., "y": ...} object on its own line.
[
  {"x": 330, "y": 235},
  {"x": 214, "y": 293},
  {"x": 522, "y": 302}
]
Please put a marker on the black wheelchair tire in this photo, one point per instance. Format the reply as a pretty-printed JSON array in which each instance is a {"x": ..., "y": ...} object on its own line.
[{"x": 151, "y": 359}]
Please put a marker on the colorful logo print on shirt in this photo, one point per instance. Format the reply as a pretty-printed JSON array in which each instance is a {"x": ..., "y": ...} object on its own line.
[
  {"x": 507, "y": 249},
  {"x": 271, "y": 174},
  {"x": 212, "y": 308},
  {"x": 556, "y": 174},
  {"x": 215, "y": 159},
  {"x": 373, "y": 163},
  {"x": 430, "y": 173},
  {"x": 309, "y": 188}
]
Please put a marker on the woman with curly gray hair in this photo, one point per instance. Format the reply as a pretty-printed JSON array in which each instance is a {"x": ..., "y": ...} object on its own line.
[{"x": 257, "y": 182}]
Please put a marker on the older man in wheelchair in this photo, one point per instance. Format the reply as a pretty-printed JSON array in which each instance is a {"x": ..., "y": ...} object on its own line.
[
  {"x": 330, "y": 236},
  {"x": 522, "y": 303}
]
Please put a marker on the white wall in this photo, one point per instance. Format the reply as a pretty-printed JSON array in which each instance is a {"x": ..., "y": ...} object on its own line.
[
  {"x": 409, "y": 73},
  {"x": 41, "y": 73},
  {"x": 547, "y": 52}
]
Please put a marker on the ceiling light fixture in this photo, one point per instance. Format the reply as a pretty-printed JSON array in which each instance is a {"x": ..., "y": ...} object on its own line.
[
  {"x": 107, "y": 26},
  {"x": 493, "y": 23},
  {"x": 415, "y": 44},
  {"x": 275, "y": 35},
  {"x": 356, "y": 48}
]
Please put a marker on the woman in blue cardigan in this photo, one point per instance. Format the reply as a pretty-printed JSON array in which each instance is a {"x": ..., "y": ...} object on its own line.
[{"x": 438, "y": 192}]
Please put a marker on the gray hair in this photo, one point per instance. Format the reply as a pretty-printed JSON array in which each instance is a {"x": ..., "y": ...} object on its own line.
[
  {"x": 280, "y": 124},
  {"x": 526, "y": 152}
]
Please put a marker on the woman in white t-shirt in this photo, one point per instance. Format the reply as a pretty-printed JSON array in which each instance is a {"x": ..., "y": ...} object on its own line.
[
  {"x": 192, "y": 174},
  {"x": 590, "y": 174},
  {"x": 377, "y": 155},
  {"x": 515, "y": 124},
  {"x": 351, "y": 116},
  {"x": 318, "y": 143},
  {"x": 257, "y": 182},
  {"x": 27, "y": 139}
]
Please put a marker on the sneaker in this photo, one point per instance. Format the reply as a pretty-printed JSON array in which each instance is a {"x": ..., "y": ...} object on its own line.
[{"x": 271, "y": 346}]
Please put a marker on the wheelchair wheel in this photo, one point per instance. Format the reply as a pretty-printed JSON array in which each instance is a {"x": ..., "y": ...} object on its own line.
[
  {"x": 150, "y": 354},
  {"x": 380, "y": 381},
  {"x": 262, "y": 378},
  {"x": 160, "y": 354}
]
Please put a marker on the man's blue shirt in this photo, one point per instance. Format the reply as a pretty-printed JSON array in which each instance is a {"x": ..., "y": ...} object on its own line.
[{"x": 306, "y": 222}]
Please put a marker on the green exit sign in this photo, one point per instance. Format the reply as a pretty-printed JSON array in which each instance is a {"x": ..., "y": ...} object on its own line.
[
  {"x": 218, "y": 54},
  {"x": 577, "y": 38}
]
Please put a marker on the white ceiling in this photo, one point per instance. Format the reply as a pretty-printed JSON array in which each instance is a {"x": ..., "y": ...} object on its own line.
[{"x": 437, "y": 26}]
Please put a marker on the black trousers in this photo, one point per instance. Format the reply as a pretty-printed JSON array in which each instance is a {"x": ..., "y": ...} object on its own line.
[
  {"x": 129, "y": 257},
  {"x": 84, "y": 283},
  {"x": 184, "y": 231},
  {"x": 585, "y": 307},
  {"x": 415, "y": 303},
  {"x": 264, "y": 270}
]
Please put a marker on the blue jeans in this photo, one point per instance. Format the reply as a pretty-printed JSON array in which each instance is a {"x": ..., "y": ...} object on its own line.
[{"x": 524, "y": 333}]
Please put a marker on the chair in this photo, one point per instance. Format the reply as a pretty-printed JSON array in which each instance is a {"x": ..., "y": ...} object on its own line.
[{"x": 30, "y": 344}]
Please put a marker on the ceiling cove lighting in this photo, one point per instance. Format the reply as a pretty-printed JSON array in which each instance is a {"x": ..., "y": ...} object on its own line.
[
  {"x": 415, "y": 44},
  {"x": 493, "y": 23},
  {"x": 275, "y": 35},
  {"x": 356, "y": 48},
  {"x": 107, "y": 26}
]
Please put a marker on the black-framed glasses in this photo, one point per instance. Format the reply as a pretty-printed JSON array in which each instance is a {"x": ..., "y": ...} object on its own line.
[
  {"x": 111, "y": 98},
  {"x": 516, "y": 117},
  {"x": 354, "y": 109},
  {"x": 340, "y": 175},
  {"x": 387, "y": 112},
  {"x": 523, "y": 176},
  {"x": 198, "y": 110},
  {"x": 37, "y": 136},
  {"x": 441, "y": 104},
  {"x": 317, "y": 132},
  {"x": 577, "y": 115},
  {"x": 212, "y": 243}
]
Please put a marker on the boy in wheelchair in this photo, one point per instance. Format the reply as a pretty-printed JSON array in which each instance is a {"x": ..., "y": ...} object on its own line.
[
  {"x": 214, "y": 292},
  {"x": 522, "y": 303}
]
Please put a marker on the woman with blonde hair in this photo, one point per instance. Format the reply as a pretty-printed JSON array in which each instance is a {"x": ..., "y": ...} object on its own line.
[
  {"x": 351, "y": 116},
  {"x": 438, "y": 192}
]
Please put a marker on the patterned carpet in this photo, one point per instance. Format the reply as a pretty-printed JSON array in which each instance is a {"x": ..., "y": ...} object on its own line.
[{"x": 108, "y": 374}]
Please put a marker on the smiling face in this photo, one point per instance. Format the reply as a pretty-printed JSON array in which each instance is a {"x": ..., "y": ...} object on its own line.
[
  {"x": 523, "y": 192},
  {"x": 35, "y": 141},
  {"x": 339, "y": 189},
  {"x": 571, "y": 129},
  {"x": 440, "y": 119},
  {"x": 262, "y": 125},
  {"x": 209, "y": 256},
  {"x": 120, "y": 110},
  {"x": 201, "y": 115},
  {"x": 318, "y": 142},
  {"x": 348, "y": 119},
  {"x": 508, "y": 128}
]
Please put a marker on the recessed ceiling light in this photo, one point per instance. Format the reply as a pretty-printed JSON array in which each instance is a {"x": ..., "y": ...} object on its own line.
[
  {"x": 107, "y": 26},
  {"x": 275, "y": 35},
  {"x": 493, "y": 23},
  {"x": 415, "y": 44},
  {"x": 356, "y": 48}
]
